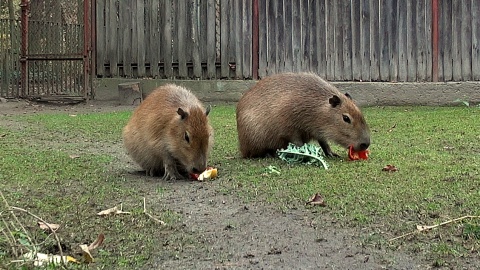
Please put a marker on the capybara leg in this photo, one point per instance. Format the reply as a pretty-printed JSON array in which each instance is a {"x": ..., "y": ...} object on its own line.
[
  {"x": 171, "y": 172},
  {"x": 327, "y": 150}
]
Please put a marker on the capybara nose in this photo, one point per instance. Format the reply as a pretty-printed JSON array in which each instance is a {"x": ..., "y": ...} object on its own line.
[
  {"x": 364, "y": 146},
  {"x": 195, "y": 170}
]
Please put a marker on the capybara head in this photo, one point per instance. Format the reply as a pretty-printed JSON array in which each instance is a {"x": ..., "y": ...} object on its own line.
[
  {"x": 347, "y": 124},
  {"x": 193, "y": 138}
]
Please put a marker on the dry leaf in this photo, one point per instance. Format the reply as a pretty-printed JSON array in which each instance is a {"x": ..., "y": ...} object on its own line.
[
  {"x": 86, "y": 254},
  {"x": 73, "y": 115},
  {"x": 112, "y": 211},
  {"x": 424, "y": 227},
  {"x": 2, "y": 135},
  {"x": 316, "y": 199},
  {"x": 390, "y": 168},
  {"x": 74, "y": 156},
  {"x": 97, "y": 242},
  {"x": 48, "y": 226}
]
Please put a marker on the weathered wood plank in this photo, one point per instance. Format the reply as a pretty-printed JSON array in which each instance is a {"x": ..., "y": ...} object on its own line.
[
  {"x": 338, "y": 40},
  {"x": 393, "y": 39},
  {"x": 356, "y": 57},
  {"x": 411, "y": 41},
  {"x": 224, "y": 38},
  {"x": 402, "y": 42},
  {"x": 125, "y": 47},
  {"x": 211, "y": 45},
  {"x": 476, "y": 40},
  {"x": 466, "y": 39},
  {"x": 320, "y": 38},
  {"x": 195, "y": 39},
  {"x": 167, "y": 36},
  {"x": 140, "y": 35},
  {"x": 288, "y": 34},
  {"x": 428, "y": 41},
  {"x": 154, "y": 50},
  {"x": 446, "y": 39},
  {"x": 262, "y": 39},
  {"x": 247, "y": 39},
  {"x": 347, "y": 42},
  {"x": 330, "y": 40},
  {"x": 280, "y": 39},
  {"x": 237, "y": 30},
  {"x": 181, "y": 38},
  {"x": 384, "y": 60},
  {"x": 365, "y": 39},
  {"x": 101, "y": 38},
  {"x": 374, "y": 42},
  {"x": 421, "y": 34},
  {"x": 270, "y": 35},
  {"x": 111, "y": 27},
  {"x": 310, "y": 56},
  {"x": 296, "y": 36},
  {"x": 456, "y": 40}
]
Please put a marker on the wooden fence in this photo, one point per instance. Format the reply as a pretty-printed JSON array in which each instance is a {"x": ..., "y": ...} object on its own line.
[{"x": 341, "y": 40}]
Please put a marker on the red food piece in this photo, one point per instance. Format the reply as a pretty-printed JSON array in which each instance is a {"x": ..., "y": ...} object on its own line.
[
  {"x": 195, "y": 176},
  {"x": 356, "y": 155}
]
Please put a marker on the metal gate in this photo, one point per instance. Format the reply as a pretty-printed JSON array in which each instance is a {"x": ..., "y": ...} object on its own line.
[{"x": 55, "y": 52}]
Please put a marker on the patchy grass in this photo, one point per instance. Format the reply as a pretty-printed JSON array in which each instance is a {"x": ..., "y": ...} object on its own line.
[{"x": 435, "y": 148}]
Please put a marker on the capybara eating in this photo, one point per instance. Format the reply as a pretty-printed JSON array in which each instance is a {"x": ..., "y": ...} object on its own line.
[
  {"x": 169, "y": 133},
  {"x": 297, "y": 108}
]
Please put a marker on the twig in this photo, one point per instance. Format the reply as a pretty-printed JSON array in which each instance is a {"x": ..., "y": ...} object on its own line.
[
  {"x": 426, "y": 228},
  {"x": 53, "y": 231},
  {"x": 149, "y": 215}
]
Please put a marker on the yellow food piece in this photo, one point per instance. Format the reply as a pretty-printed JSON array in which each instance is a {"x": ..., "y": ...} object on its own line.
[{"x": 208, "y": 174}]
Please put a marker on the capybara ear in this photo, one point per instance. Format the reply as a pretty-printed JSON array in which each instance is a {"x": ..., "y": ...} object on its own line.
[
  {"x": 334, "y": 101},
  {"x": 348, "y": 96},
  {"x": 182, "y": 113},
  {"x": 207, "y": 110}
]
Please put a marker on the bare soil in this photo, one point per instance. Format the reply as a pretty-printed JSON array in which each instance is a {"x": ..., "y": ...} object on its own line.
[{"x": 225, "y": 232}]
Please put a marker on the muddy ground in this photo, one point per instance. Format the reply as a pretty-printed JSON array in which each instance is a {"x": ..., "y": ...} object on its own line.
[{"x": 238, "y": 235}]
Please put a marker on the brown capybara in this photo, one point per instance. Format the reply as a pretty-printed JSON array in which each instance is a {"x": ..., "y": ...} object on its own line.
[
  {"x": 169, "y": 133},
  {"x": 297, "y": 108}
]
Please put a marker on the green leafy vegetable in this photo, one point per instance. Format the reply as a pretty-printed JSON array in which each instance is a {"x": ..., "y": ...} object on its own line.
[{"x": 308, "y": 153}]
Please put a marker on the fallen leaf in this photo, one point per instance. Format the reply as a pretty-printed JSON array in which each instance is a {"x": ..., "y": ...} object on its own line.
[
  {"x": 448, "y": 147},
  {"x": 97, "y": 242},
  {"x": 424, "y": 227},
  {"x": 2, "y": 135},
  {"x": 357, "y": 155},
  {"x": 389, "y": 168},
  {"x": 316, "y": 199},
  {"x": 40, "y": 259},
  {"x": 112, "y": 211},
  {"x": 74, "y": 156},
  {"x": 73, "y": 115},
  {"x": 48, "y": 226},
  {"x": 86, "y": 254}
]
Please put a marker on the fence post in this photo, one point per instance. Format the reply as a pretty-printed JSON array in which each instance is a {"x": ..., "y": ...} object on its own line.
[{"x": 435, "y": 40}]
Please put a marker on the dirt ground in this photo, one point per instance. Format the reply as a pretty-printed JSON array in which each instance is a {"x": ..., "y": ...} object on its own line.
[{"x": 238, "y": 235}]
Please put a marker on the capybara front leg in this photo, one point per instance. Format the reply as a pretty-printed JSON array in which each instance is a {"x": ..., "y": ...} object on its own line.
[{"x": 326, "y": 149}]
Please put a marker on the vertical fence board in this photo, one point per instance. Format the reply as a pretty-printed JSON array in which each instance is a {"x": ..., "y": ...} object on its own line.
[
  {"x": 180, "y": 37},
  {"x": 466, "y": 40},
  {"x": 280, "y": 39},
  {"x": 402, "y": 42},
  {"x": 307, "y": 25},
  {"x": 320, "y": 37},
  {"x": 476, "y": 40},
  {"x": 101, "y": 38},
  {"x": 393, "y": 39},
  {"x": 330, "y": 40},
  {"x": 428, "y": 40},
  {"x": 196, "y": 39},
  {"x": 237, "y": 29},
  {"x": 374, "y": 42},
  {"x": 338, "y": 41},
  {"x": 456, "y": 40},
  {"x": 356, "y": 58},
  {"x": 270, "y": 37},
  {"x": 347, "y": 42},
  {"x": 421, "y": 34},
  {"x": 155, "y": 39},
  {"x": 446, "y": 40},
  {"x": 247, "y": 39},
  {"x": 125, "y": 47},
  {"x": 365, "y": 38},
  {"x": 263, "y": 39},
  {"x": 167, "y": 37},
  {"x": 412, "y": 40},
  {"x": 111, "y": 23},
  {"x": 140, "y": 34},
  {"x": 211, "y": 39},
  {"x": 310, "y": 56},
  {"x": 296, "y": 36},
  {"x": 224, "y": 29},
  {"x": 287, "y": 35},
  {"x": 385, "y": 35}
]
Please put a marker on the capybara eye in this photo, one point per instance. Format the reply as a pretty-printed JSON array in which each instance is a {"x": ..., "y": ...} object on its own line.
[
  {"x": 346, "y": 119},
  {"x": 187, "y": 138}
]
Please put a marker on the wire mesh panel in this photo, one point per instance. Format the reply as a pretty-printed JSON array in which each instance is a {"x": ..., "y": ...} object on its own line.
[{"x": 56, "y": 58}]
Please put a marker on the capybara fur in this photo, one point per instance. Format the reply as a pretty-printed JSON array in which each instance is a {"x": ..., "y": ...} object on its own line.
[
  {"x": 169, "y": 133},
  {"x": 297, "y": 108}
]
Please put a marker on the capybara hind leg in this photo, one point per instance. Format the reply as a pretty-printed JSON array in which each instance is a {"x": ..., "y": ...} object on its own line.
[{"x": 327, "y": 150}]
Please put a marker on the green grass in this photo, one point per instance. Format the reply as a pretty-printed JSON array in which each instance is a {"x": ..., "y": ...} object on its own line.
[{"x": 435, "y": 148}]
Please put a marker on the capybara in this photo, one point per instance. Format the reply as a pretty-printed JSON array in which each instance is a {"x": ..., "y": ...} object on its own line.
[
  {"x": 169, "y": 133},
  {"x": 297, "y": 108}
]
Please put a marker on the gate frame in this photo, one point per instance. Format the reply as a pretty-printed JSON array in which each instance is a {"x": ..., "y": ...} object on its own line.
[{"x": 85, "y": 56}]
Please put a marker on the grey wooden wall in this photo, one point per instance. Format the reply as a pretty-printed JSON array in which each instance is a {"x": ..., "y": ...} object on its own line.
[{"x": 341, "y": 40}]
